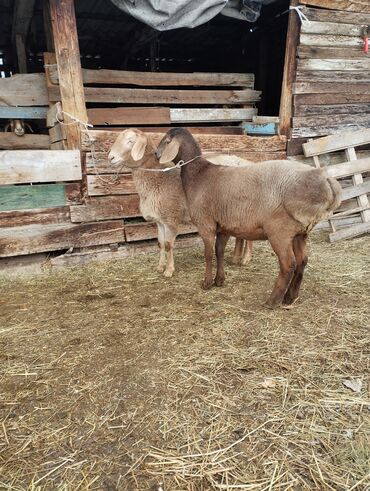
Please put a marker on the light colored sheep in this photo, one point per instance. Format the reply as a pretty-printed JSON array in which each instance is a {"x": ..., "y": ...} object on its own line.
[
  {"x": 162, "y": 197},
  {"x": 279, "y": 201}
]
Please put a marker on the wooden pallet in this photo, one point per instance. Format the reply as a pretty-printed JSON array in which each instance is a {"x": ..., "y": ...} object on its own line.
[{"x": 353, "y": 168}]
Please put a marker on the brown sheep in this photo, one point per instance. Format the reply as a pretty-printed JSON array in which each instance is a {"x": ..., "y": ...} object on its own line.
[
  {"x": 279, "y": 201},
  {"x": 162, "y": 198}
]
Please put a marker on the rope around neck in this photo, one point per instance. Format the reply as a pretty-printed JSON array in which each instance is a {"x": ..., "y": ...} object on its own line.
[{"x": 179, "y": 164}]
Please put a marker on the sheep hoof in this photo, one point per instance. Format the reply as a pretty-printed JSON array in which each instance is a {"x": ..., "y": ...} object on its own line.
[
  {"x": 271, "y": 305},
  {"x": 236, "y": 260},
  {"x": 161, "y": 268},
  {"x": 168, "y": 273},
  {"x": 206, "y": 285},
  {"x": 219, "y": 281}
]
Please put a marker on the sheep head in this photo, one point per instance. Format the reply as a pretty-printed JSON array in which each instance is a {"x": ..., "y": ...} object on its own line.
[
  {"x": 129, "y": 148},
  {"x": 177, "y": 144}
]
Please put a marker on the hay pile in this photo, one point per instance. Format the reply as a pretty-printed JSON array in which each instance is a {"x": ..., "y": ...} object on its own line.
[{"x": 113, "y": 378}]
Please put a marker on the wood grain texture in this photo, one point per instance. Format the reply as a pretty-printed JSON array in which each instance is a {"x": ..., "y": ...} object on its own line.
[
  {"x": 331, "y": 120},
  {"x": 334, "y": 143},
  {"x": 337, "y": 76},
  {"x": 331, "y": 28},
  {"x": 110, "y": 184},
  {"x": 348, "y": 5},
  {"x": 350, "y": 232},
  {"x": 345, "y": 109},
  {"x": 196, "y": 115},
  {"x": 39, "y": 216},
  {"x": 25, "y": 166},
  {"x": 129, "y": 115},
  {"x": 336, "y": 16},
  {"x": 106, "y": 208},
  {"x": 148, "y": 230},
  {"x": 330, "y": 88},
  {"x": 168, "y": 96},
  {"x": 335, "y": 129},
  {"x": 28, "y": 89},
  {"x": 67, "y": 52},
  {"x": 10, "y": 141},
  {"x": 335, "y": 98},
  {"x": 30, "y": 239},
  {"x": 221, "y": 143},
  {"x": 9, "y": 112},
  {"x": 358, "y": 190},
  {"x": 330, "y": 40},
  {"x": 122, "y": 77},
  {"x": 330, "y": 52},
  {"x": 349, "y": 168},
  {"x": 334, "y": 64}
]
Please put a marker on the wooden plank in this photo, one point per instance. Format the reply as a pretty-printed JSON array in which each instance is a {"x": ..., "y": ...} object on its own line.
[
  {"x": 67, "y": 52},
  {"x": 220, "y": 143},
  {"x": 350, "y": 232},
  {"x": 110, "y": 184},
  {"x": 331, "y": 28},
  {"x": 40, "y": 216},
  {"x": 106, "y": 208},
  {"x": 24, "y": 166},
  {"x": 260, "y": 128},
  {"x": 331, "y": 120},
  {"x": 309, "y": 110},
  {"x": 54, "y": 115},
  {"x": 129, "y": 115},
  {"x": 336, "y": 98},
  {"x": 290, "y": 65},
  {"x": 348, "y": 5},
  {"x": 57, "y": 133},
  {"x": 332, "y": 64},
  {"x": 337, "y": 16},
  {"x": 349, "y": 168},
  {"x": 41, "y": 238},
  {"x": 336, "y": 129},
  {"x": 39, "y": 196},
  {"x": 165, "y": 96},
  {"x": 113, "y": 77},
  {"x": 104, "y": 167},
  {"x": 208, "y": 130},
  {"x": 8, "y": 112},
  {"x": 335, "y": 143},
  {"x": 330, "y": 88},
  {"x": 265, "y": 119},
  {"x": 28, "y": 89},
  {"x": 195, "y": 115},
  {"x": 329, "y": 40},
  {"x": 336, "y": 76},
  {"x": 362, "y": 200},
  {"x": 354, "y": 191},
  {"x": 330, "y": 52},
  {"x": 10, "y": 141},
  {"x": 148, "y": 230}
]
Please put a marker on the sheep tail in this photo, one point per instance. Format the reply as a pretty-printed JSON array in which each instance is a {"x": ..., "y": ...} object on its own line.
[{"x": 336, "y": 193}]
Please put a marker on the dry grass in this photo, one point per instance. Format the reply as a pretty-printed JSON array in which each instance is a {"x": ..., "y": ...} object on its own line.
[{"x": 113, "y": 378}]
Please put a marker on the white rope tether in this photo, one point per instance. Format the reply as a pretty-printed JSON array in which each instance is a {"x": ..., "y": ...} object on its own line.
[
  {"x": 302, "y": 16},
  {"x": 179, "y": 164}
]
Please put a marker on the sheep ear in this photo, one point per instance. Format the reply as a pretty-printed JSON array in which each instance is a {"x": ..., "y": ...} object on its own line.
[
  {"x": 170, "y": 151},
  {"x": 138, "y": 150}
]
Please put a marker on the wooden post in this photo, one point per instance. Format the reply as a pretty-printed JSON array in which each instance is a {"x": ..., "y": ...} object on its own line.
[
  {"x": 290, "y": 66},
  {"x": 67, "y": 52}
]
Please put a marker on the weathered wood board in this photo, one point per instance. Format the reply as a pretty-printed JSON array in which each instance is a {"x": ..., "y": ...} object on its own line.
[
  {"x": 123, "y": 77},
  {"x": 330, "y": 52},
  {"x": 106, "y": 208},
  {"x": 330, "y": 40},
  {"x": 148, "y": 230},
  {"x": 345, "y": 109},
  {"x": 110, "y": 184},
  {"x": 335, "y": 64},
  {"x": 337, "y": 15},
  {"x": 41, "y": 238},
  {"x": 28, "y": 89},
  {"x": 360, "y": 88},
  {"x": 348, "y": 5},
  {"x": 348, "y": 233},
  {"x": 26, "y": 166},
  {"x": 38, "y": 196},
  {"x": 9, "y": 112},
  {"x": 39, "y": 216},
  {"x": 10, "y": 141},
  {"x": 129, "y": 115},
  {"x": 334, "y": 76},
  {"x": 349, "y": 168},
  {"x": 196, "y": 115},
  {"x": 335, "y": 98},
  {"x": 221, "y": 143},
  {"x": 333, "y": 143}
]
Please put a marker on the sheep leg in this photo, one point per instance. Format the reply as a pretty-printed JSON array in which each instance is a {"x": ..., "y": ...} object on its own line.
[
  {"x": 170, "y": 237},
  {"x": 247, "y": 253},
  {"x": 208, "y": 241},
  {"x": 284, "y": 250},
  {"x": 221, "y": 241},
  {"x": 162, "y": 251},
  {"x": 238, "y": 251},
  {"x": 300, "y": 252}
]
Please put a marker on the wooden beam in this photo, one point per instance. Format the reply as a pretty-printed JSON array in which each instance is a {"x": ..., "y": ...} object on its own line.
[
  {"x": 338, "y": 16},
  {"x": 67, "y": 52},
  {"x": 8, "y": 112},
  {"x": 10, "y": 141},
  {"x": 334, "y": 143},
  {"x": 347, "y": 5},
  {"x": 290, "y": 65},
  {"x": 25, "y": 166},
  {"x": 38, "y": 216},
  {"x": 106, "y": 208},
  {"x": 349, "y": 232},
  {"x": 23, "y": 90},
  {"x": 23, "y": 12}
]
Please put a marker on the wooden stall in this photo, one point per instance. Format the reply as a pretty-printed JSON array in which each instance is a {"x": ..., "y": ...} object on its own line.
[{"x": 58, "y": 192}]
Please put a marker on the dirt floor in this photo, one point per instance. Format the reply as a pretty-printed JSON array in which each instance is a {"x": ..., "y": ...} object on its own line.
[{"x": 114, "y": 378}]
